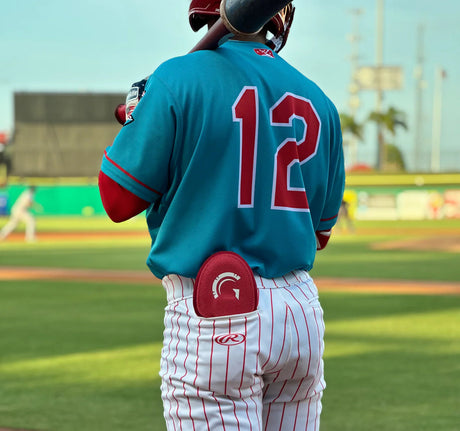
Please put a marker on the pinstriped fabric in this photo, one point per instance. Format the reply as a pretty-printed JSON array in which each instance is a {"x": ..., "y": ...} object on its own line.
[{"x": 271, "y": 380}]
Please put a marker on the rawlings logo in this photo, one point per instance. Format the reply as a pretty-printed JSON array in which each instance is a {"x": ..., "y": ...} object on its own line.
[
  {"x": 230, "y": 339},
  {"x": 264, "y": 52}
]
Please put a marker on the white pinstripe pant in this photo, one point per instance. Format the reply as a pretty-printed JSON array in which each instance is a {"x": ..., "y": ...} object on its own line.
[{"x": 266, "y": 375}]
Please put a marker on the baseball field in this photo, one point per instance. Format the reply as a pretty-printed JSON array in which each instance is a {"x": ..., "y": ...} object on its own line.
[{"x": 81, "y": 327}]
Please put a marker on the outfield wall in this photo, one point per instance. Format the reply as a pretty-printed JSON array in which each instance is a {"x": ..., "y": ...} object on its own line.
[
  {"x": 403, "y": 197},
  {"x": 65, "y": 200},
  {"x": 370, "y": 197}
]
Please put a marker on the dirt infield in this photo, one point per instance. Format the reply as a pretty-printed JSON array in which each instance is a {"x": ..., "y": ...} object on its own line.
[
  {"x": 449, "y": 243},
  {"x": 446, "y": 240},
  {"x": 145, "y": 277},
  {"x": 79, "y": 236}
]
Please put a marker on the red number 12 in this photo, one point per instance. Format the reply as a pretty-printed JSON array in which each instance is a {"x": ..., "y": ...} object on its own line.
[{"x": 289, "y": 152}]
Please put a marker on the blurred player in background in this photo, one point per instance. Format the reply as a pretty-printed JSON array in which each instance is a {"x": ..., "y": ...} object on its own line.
[
  {"x": 237, "y": 158},
  {"x": 345, "y": 221},
  {"x": 20, "y": 212}
]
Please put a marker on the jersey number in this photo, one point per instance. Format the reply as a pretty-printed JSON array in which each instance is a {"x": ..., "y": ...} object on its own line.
[{"x": 290, "y": 152}]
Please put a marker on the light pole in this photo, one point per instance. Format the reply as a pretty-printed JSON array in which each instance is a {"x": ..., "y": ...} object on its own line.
[
  {"x": 354, "y": 101},
  {"x": 419, "y": 87},
  {"x": 379, "y": 98},
  {"x": 437, "y": 120}
]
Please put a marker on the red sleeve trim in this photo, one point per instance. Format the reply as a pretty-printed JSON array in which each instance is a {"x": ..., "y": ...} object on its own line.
[
  {"x": 330, "y": 218},
  {"x": 119, "y": 204},
  {"x": 322, "y": 238},
  {"x": 129, "y": 175}
]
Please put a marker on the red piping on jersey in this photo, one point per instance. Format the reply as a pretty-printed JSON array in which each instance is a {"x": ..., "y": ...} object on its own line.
[
  {"x": 330, "y": 218},
  {"x": 129, "y": 175}
]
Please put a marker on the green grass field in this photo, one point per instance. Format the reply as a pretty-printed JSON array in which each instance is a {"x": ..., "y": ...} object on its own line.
[{"x": 85, "y": 355}]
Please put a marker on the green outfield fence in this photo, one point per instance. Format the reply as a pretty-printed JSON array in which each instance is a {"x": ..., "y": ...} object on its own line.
[
  {"x": 80, "y": 196},
  {"x": 66, "y": 197}
]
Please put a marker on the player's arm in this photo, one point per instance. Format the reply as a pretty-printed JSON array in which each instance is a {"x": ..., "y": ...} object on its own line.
[
  {"x": 119, "y": 204},
  {"x": 322, "y": 237},
  {"x": 336, "y": 184}
]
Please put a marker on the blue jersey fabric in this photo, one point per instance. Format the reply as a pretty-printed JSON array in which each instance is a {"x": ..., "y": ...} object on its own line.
[{"x": 182, "y": 151}]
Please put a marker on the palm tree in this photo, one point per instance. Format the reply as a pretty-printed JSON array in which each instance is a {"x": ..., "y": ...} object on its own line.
[
  {"x": 386, "y": 121},
  {"x": 351, "y": 126},
  {"x": 354, "y": 130}
]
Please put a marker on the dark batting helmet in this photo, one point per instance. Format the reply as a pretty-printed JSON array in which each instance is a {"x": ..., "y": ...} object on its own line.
[{"x": 200, "y": 10}]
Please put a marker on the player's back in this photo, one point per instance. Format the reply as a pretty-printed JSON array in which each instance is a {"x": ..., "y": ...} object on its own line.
[{"x": 246, "y": 139}]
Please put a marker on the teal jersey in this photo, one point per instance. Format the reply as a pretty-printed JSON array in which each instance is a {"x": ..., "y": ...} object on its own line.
[{"x": 237, "y": 151}]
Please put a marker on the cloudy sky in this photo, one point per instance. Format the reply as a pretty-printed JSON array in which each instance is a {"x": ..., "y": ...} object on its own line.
[{"x": 105, "y": 45}]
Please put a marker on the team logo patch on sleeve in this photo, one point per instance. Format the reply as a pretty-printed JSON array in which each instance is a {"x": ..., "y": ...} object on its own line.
[{"x": 264, "y": 52}]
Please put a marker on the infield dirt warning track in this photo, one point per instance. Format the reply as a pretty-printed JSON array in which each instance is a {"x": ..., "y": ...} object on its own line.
[
  {"x": 449, "y": 240},
  {"x": 402, "y": 287}
]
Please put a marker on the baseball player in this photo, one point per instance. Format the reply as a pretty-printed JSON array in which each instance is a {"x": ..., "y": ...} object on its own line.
[
  {"x": 20, "y": 212},
  {"x": 237, "y": 158}
]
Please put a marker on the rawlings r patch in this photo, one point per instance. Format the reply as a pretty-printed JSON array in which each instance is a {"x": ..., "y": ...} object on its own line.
[
  {"x": 225, "y": 286},
  {"x": 264, "y": 52}
]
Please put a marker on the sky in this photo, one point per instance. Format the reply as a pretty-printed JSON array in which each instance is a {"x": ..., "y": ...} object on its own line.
[{"x": 105, "y": 45}]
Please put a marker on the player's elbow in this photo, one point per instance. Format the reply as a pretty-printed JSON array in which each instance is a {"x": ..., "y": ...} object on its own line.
[
  {"x": 322, "y": 238},
  {"x": 116, "y": 217},
  {"x": 119, "y": 204}
]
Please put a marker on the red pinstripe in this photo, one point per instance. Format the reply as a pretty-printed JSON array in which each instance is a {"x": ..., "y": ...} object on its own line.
[
  {"x": 281, "y": 391},
  {"x": 228, "y": 357},
  {"x": 268, "y": 415},
  {"x": 271, "y": 337},
  {"x": 185, "y": 360},
  {"x": 204, "y": 409},
  {"x": 309, "y": 345},
  {"x": 282, "y": 346},
  {"x": 242, "y": 371},
  {"x": 212, "y": 353},
  {"x": 220, "y": 411},
  {"x": 298, "y": 344},
  {"x": 257, "y": 368},
  {"x": 196, "y": 375},
  {"x": 256, "y": 405},
  {"x": 175, "y": 372},
  {"x": 316, "y": 415},
  {"x": 308, "y": 287},
  {"x": 197, "y": 347},
  {"x": 245, "y": 350},
  {"x": 282, "y": 415},
  {"x": 167, "y": 359},
  {"x": 296, "y": 413},
  {"x": 319, "y": 350},
  {"x": 308, "y": 414},
  {"x": 236, "y": 417},
  {"x": 226, "y": 374},
  {"x": 293, "y": 273},
  {"x": 247, "y": 413}
]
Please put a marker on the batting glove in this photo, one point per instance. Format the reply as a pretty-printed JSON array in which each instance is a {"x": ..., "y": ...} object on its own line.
[{"x": 123, "y": 112}]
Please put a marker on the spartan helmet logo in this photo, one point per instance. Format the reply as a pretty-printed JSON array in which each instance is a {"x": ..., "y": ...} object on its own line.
[{"x": 224, "y": 278}]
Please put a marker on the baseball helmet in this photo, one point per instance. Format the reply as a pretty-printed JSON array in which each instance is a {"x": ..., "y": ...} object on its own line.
[{"x": 200, "y": 10}]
